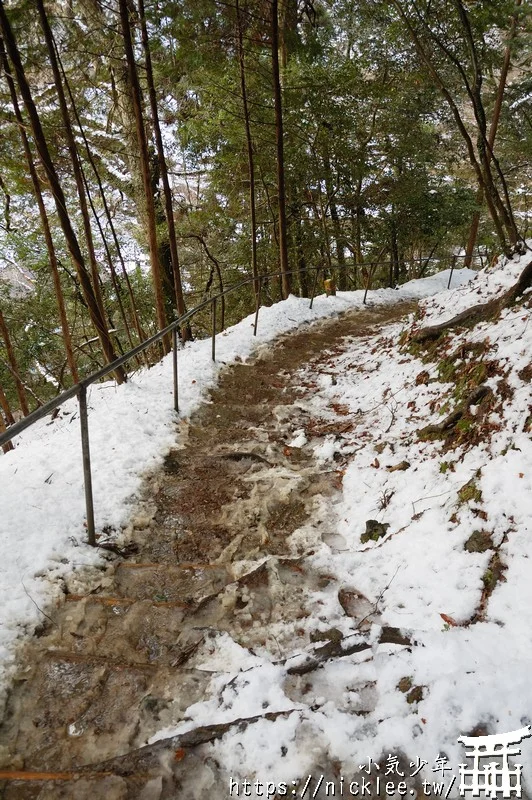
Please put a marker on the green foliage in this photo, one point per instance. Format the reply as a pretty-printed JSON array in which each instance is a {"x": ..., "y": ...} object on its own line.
[
  {"x": 374, "y": 166},
  {"x": 470, "y": 492},
  {"x": 489, "y": 580},
  {"x": 446, "y": 370}
]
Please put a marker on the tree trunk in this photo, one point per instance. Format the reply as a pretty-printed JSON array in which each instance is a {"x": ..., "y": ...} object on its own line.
[
  {"x": 4, "y": 405},
  {"x": 492, "y": 132},
  {"x": 44, "y": 219},
  {"x": 249, "y": 145},
  {"x": 484, "y": 147},
  {"x": 301, "y": 260},
  {"x": 501, "y": 214},
  {"x": 7, "y": 209},
  {"x": 288, "y": 29},
  {"x": 217, "y": 268},
  {"x": 21, "y": 392},
  {"x": 394, "y": 254},
  {"x": 279, "y": 134},
  {"x": 356, "y": 233},
  {"x": 59, "y": 197},
  {"x": 178, "y": 289},
  {"x": 73, "y": 152},
  {"x": 479, "y": 313},
  {"x": 8, "y": 445},
  {"x": 340, "y": 250},
  {"x": 136, "y": 98},
  {"x": 112, "y": 270},
  {"x": 337, "y": 230},
  {"x": 134, "y": 314}
]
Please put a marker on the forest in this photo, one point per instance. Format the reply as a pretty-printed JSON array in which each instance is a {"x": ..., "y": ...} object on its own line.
[{"x": 154, "y": 153}]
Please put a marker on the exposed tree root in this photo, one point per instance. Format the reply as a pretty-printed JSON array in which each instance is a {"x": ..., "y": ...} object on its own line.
[
  {"x": 339, "y": 649},
  {"x": 149, "y": 758},
  {"x": 330, "y": 650},
  {"x": 450, "y": 421},
  {"x": 479, "y": 313},
  {"x": 493, "y": 575}
]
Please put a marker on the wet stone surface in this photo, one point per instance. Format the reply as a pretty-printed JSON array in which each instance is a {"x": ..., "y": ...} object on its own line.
[{"x": 217, "y": 549}]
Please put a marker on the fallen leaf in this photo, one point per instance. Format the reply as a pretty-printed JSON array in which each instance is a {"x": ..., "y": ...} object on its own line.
[
  {"x": 449, "y": 620},
  {"x": 422, "y": 378},
  {"x": 179, "y": 754},
  {"x": 340, "y": 408}
]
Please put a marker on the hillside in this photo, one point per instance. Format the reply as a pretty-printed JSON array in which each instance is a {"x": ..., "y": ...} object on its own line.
[
  {"x": 446, "y": 564},
  {"x": 374, "y": 498}
]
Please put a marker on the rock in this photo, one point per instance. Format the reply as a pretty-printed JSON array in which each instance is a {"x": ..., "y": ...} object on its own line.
[
  {"x": 405, "y": 684},
  {"x": 330, "y": 635},
  {"x": 399, "y": 467},
  {"x": 374, "y": 530},
  {"x": 479, "y": 542},
  {"x": 390, "y": 635},
  {"x": 355, "y": 605},
  {"x": 415, "y": 695}
]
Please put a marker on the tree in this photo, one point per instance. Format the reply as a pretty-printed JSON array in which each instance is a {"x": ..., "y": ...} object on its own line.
[
  {"x": 58, "y": 194},
  {"x": 449, "y": 44},
  {"x": 44, "y": 218},
  {"x": 249, "y": 142},
  {"x": 136, "y": 98},
  {"x": 291, "y": 136},
  {"x": 279, "y": 137},
  {"x": 180, "y": 303},
  {"x": 495, "y": 118},
  {"x": 13, "y": 365}
]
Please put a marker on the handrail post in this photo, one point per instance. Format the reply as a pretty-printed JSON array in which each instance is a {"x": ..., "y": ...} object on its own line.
[
  {"x": 174, "y": 364},
  {"x": 453, "y": 265},
  {"x": 213, "y": 351},
  {"x": 87, "y": 477},
  {"x": 318, "y": 270},
  {"x": 257, "y": 306}
]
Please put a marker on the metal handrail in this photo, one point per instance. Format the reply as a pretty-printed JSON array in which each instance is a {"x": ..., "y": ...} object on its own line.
[
  {"x": 80, "y": 389},
  {"x": 18, "y": 427}
]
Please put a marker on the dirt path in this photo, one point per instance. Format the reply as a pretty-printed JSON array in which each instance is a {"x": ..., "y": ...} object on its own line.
[{"x": 214, "y": 553}]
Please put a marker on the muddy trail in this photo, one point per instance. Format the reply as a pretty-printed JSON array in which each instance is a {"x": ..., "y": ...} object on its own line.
[{"x": 212, "y": 548}]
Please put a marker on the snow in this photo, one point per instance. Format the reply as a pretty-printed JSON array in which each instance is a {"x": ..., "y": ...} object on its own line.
[
  {"x": 132, "y": 427},
  {"x": 488, "y": 283},
  {"x": 468, "y": 673}
]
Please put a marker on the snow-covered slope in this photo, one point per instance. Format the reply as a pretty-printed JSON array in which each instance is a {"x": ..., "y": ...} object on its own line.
[
  {"x": 452, "y": 570},
  {"x": 454, "y": 566}
]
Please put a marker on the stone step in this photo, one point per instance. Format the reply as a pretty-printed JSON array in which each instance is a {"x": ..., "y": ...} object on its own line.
[
  {"x": 119, "y": 601},
  {"x": 21, "y": 785},
  {"x": 123, "y": 629},
  {"x": 185, "y": 583},
  {"x": 165, "y": 633},
  {"x": 74, "y": 710}
]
